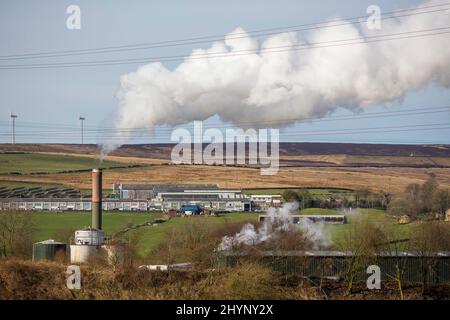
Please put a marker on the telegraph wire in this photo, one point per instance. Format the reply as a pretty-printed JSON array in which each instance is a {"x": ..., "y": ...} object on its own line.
[
  {"x": 370, "y": 115},
  {"x": 294, "y": 47},
  {"x": 299, "y": 47},
  {"x": 414, "y": 127},
  {"x": 207, "y": 39}
]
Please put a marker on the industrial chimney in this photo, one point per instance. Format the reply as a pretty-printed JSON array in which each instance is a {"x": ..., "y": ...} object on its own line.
[
  {"x": 96, "y": 198},
  {"x": 89, "y": 240}
]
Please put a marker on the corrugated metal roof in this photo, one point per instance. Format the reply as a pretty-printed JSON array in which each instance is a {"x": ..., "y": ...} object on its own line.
[{"x": 167, "y": 187}]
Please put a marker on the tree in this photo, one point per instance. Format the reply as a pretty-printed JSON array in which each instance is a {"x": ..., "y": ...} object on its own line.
[
  {"x": 441, "y": 201},
  {"x": 413, "y": 198},
  {"x": 362, "y": 197},
  {"x": 290, "y": 195},
  {"x": 383, "y": 199},
  {"x": 363, "y": 241},
  {"x": 395, "y": 247},
  {"x": 16, "y": 230},
  {"x": 399, "y": 206},
  {"x": 305, "y": 198},
  {"x": 420, "y": 199},
  {"x": 427, "y": 239},
  {"x": 427, "y": 191}
]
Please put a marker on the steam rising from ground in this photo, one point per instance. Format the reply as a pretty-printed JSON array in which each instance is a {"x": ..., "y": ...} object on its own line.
[
  {"x": 278, "y": 221},
  {"x": 265, "y": 89}
]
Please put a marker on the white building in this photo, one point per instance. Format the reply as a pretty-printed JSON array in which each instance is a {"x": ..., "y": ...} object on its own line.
[
  {"x": 218, "y": 200},
  {"x": 263, "y": 202}
]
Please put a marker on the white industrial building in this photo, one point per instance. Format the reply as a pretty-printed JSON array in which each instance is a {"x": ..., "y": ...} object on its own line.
[
  {"x": 70, "y": 204},
  {"x": 218, "y": 200},
  {"x": 262, "y": 202},
  {"x": 147, "y": 197}
]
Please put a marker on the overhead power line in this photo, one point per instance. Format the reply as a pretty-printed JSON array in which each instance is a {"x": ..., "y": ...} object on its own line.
[
  {"x": 303, "y": 133},
  {"x": 58, "y": 127},
  {"x": 299, "y": 47},
  {"x": 207, "y": 39}
]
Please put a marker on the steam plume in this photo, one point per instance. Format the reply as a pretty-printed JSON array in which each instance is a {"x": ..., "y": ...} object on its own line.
[
  {"x": 264, "y": 89},
  {"x": 278, "y": 220}
]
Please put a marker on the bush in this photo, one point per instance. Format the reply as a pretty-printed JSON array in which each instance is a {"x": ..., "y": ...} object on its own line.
[{"x": 249, "y": 281}]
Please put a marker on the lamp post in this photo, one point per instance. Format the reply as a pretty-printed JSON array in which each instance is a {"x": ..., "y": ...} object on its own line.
[
  {"x": 82, "y": 133},
  {"x": 13, "y": 118}
]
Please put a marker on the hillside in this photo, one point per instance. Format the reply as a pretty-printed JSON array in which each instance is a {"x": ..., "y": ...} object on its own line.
[{"x": 286, "y": 149}]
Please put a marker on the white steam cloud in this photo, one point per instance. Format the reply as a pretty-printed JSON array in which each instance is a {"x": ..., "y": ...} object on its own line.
[
  {"x": 278, "y": 220},
  {"x": 266, "y": 89}
]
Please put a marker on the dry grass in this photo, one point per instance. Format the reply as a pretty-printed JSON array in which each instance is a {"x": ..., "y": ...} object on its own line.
[
  {"x": 388, "y": 179},
  {"x": 127, "y": 160},
  {"x": 345, "y": 159},
  {"x": 26, "y": 280}
]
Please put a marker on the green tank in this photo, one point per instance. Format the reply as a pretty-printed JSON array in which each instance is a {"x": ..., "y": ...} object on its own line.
[{"x": 49, "y": 250}]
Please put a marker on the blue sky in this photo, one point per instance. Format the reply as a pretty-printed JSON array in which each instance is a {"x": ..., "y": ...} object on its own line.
[{"x": 59, "y": 96}]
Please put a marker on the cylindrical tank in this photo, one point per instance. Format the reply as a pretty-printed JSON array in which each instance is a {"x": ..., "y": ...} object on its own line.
[
  {"x": 97, "y": 198},
  {"x": 49, "y": 250},
  {"x": 90, "y": 237},
  {"x": 81, "y": 253}
]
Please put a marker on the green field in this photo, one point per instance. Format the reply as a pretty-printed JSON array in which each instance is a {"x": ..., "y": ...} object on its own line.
[
  {"x": 373, "y": 216},
  {"x": 320, "y": 211},
  {"x": 49, "y": 225},
  {"x": 26, "y": 163}
]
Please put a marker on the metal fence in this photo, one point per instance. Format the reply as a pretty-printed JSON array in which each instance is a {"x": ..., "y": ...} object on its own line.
[{"x": 337, "y": 265}]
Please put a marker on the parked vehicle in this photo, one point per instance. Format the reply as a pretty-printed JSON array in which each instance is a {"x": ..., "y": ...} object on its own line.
[{"x": 191, "y": 209}]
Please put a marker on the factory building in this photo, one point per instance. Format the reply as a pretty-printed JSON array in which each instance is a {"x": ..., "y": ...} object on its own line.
[
  {"x": 217, "y": 200},
  {"x": 150, "y": 191},
  {"x": 71, "y": 204},
  {"x": 261, "y": 202},
  {"x": 141, "y": 197}
]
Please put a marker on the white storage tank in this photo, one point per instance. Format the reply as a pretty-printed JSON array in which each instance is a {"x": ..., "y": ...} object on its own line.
[
  {"x": 89, "y": 237},
  {"x": 81, "y": 253}
]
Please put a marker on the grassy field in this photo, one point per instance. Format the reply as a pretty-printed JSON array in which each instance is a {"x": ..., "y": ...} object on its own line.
[
  {"x": 320, "y": 211},
  {"x": 49, "y": 225},
  {"x": 25, "y": 163},
  {"x": 373, "y": 216}
]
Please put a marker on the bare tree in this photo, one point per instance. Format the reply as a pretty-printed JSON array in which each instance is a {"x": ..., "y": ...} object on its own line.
[
  {"x": 363, "y": 242},
  {"x": 427, "y": 239},
  {"x": 397, "y": 247},
  {"x": 427, "y": 192},
  {"x": 16, "y": 229},
  {"x": 441, "y": 201}
]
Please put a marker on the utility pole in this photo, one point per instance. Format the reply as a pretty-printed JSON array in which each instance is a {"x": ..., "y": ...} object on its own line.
[
  {"x": 13, "y": 118},
  {"x": 82, "y": 120}
]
